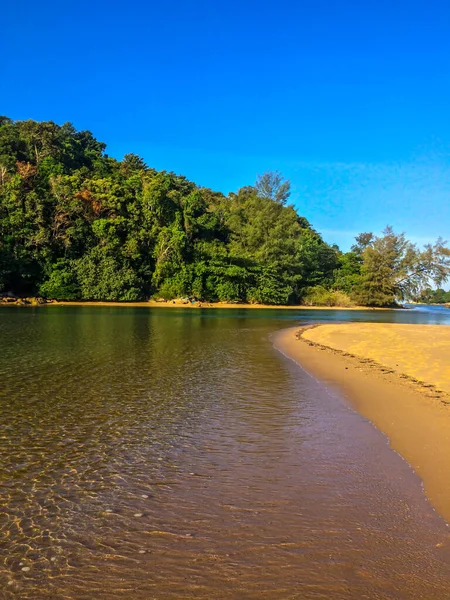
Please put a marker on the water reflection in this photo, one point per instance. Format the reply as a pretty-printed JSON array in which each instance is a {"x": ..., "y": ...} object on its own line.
[{"x": 176, "y": 454}]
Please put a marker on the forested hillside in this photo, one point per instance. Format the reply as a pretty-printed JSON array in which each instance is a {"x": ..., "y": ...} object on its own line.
[{"x": 77, "y": 224}]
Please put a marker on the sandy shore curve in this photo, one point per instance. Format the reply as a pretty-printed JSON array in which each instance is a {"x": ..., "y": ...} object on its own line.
[{"x": 397, "y": 376}]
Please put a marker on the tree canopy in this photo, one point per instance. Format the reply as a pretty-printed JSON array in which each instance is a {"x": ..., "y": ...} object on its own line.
[
  {"x": 76, "y": 224},
  {"x": 394, "y": 268}
]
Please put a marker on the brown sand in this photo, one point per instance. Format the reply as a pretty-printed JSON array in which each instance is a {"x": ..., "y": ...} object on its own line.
[
  {"x": 179, "y": 304},
  {"x": 421, "y": 351},
  {"x": 378, "y": 367}
]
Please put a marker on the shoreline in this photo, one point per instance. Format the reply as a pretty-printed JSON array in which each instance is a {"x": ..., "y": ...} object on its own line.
[
  {"x": 414, "y": 415},
  {"x": 195, "y": 305}
]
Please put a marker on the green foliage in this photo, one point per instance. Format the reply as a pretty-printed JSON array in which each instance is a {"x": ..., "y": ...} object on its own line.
[
  {"x": 62, "y": 283},
  {"x": 272, "y": 186},
  {"x": 347, "y": 277},
  {"x": 430, "y": 296},
  {"x": 103, "y": 276},
  {"x": 271, "y": 287},
  {"x": 319, "y": 296},
  {"x": 395, "y": 269},
  {"x": 177, "y": 286},
  {"x": 77, "y": 224}
]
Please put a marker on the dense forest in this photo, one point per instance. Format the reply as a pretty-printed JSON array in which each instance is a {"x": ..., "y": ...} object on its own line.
[
  {"x": 430, "y": 296},
  {"x": 76, "y": 224}
]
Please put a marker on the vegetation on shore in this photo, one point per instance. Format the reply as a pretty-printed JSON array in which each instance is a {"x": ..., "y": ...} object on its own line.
[
  {"x": 76, "y": 224},
  {"x": 430, "y": 296}
]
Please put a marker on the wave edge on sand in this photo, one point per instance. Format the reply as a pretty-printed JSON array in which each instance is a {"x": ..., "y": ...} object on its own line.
[{"x": 413, "y": 413}]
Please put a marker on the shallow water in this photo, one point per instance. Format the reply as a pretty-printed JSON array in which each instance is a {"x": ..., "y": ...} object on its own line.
[{"x": 176, "y": 454}]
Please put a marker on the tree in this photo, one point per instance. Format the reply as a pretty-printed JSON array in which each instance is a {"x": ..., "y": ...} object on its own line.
[
  {"x": 439, "y": 296},
  {"x": 272, "y": 186},
  {"x": 103, "y": 275},
  {"x": 62, "y": 283},
  {"x": 132, "y": 163},
  {"x": 78, "y": 224},
  {"x": 363, "y": 240},
  {"x": 347, "y": 277},
  {"x": 396, "y": 269}
]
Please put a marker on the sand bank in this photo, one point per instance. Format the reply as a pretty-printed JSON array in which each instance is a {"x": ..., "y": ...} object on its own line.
[
  {"x": 179, "y": 304},
  {"x": 398, "y": 376},
  {"x": 420, "y": 351}
]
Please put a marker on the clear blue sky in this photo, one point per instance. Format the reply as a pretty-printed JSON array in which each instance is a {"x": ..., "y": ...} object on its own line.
[{"x": 349, "y": 99}]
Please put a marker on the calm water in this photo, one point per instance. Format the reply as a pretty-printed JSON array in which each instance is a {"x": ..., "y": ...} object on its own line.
[{"x": 176, "y": 454}]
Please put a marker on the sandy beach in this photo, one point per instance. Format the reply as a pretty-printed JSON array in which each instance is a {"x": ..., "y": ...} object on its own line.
[
  {"x": 215, "y": 305},
  {"x": 420, "y": 351},
  {"x": 397, "y": 376}
]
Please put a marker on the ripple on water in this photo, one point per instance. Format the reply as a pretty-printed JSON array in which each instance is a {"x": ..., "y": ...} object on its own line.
[{"x": 181, "y": 456}]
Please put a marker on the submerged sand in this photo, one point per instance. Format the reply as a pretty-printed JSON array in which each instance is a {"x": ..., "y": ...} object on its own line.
[{"x": 398, "y": 376}]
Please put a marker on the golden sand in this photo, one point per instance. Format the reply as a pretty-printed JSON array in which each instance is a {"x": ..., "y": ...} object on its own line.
[
  {"x": 421, "y": 351},
  {"x": 398, "y": 377},
  {"x": 216, "y": 305}
]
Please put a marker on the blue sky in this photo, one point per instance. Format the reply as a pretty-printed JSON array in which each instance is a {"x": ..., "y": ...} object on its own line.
[{"x": 350, "y": 99}]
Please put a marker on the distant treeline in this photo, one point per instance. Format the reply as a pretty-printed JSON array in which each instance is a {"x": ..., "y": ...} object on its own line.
[
  {"x": 430, "y": 296},
  {"x": 76, "y": 224}
]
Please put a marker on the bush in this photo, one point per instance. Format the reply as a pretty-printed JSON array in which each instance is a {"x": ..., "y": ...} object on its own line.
[
  {"x": 228, "y": 291},
  {"x": 170, "y": 289},
  {"x": 320, "y": 296},
  {"x": 177, "y": 285},
  {"x": 106, "y": 277},
  {"x": 270, "y": 287},
  {"x": 62, "y": 283}
]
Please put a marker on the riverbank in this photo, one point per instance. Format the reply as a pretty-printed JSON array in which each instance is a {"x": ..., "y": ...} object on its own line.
[
  {"x": 398, "y": 377},
  {"x": 180, "y": 304}
]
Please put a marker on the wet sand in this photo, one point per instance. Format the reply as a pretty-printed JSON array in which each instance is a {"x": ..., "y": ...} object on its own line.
[{"x": 398, "y": 377}]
